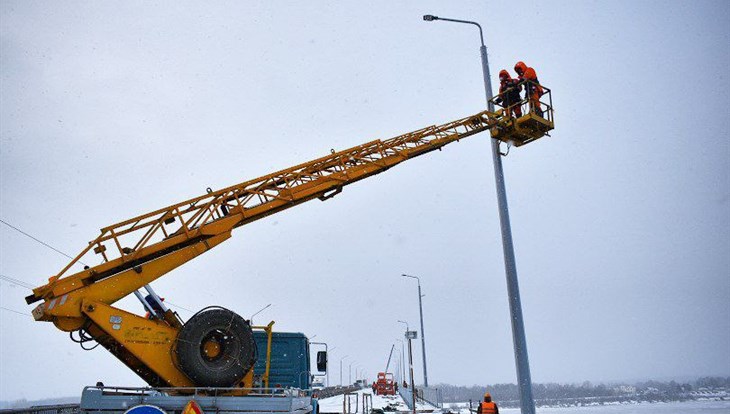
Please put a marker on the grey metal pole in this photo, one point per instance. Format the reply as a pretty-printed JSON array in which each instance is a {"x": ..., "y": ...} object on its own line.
[
  {"x": 423, "y": 334},
  {"x": 403, "y": 352},
  {"x": 410, "y": 365},
  {"x": 341, "y": 368},
  {"x": 349, "y": 373},
  {"x": 522, "y": 363},
  {"x": 423, "y": 337},
  {"x": 513, "y": 290},
  {"x": 403, "y": 359},
  {"x": 259, "y": 311}
]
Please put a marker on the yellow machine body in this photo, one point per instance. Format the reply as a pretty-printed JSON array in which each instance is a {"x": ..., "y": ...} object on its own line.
[{"x": 139, "y": 250}]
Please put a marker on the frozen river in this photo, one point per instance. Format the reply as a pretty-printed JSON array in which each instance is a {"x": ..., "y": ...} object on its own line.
[
  {"x": 689, "y": 407},
  {"x": 334, "y": 405}
]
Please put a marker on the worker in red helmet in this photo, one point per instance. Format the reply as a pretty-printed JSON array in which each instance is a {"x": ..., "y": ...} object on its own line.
[
  {"x": 533, "y": 90},
  {"x": 509, "y": 94},
  {"x": 487, "y": 406}
]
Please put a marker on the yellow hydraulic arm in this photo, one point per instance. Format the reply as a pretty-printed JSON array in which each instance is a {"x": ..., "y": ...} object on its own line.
[
  {"x": 137, "y": 251},
  {"x": 180, "y": 232}
]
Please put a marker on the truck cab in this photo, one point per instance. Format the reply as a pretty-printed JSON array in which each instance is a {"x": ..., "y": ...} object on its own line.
[
  {"x": 289, "y": 360},
  {"x": 282, "y": 383}
]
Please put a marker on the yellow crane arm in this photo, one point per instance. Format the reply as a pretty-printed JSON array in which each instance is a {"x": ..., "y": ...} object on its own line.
[{"x": 143, "y": 248}]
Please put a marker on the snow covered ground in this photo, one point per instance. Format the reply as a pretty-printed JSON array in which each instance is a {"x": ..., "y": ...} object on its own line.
[
  {"x": 688, "y": 407},
  {"x": 334, "y": 405},
  {"x": 383, "y": 402}
]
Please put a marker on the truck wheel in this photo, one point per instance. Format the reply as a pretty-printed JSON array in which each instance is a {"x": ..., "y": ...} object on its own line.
[{"x": 215, "y": 348}]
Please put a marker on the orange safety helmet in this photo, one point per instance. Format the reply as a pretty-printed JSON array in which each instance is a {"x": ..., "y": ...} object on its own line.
[
  {"x": 520, "y": 67},
  {"x": 504, "y": 74},
  {"x": 487, "y": 397}
]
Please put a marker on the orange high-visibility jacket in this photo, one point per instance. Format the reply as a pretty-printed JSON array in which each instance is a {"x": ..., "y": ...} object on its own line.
[
  {"x": 487, "y": 408},
  {"x": 531, "y": 75}
]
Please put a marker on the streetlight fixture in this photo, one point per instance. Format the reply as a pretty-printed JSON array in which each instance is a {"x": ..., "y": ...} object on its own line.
[
  {"x": 407, "y": 328},
  {"x": 259, "y": 311},
  {"x": 522, "y": 363},
  {"x": 423, "y": 335},
  {"x": 349, "y": 373},
  {"x": 402, "y": 358},
  {"x": 341, "y": 368}
]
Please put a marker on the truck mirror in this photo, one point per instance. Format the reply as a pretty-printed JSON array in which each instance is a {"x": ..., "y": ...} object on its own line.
[{"x": 322, "y": 361}]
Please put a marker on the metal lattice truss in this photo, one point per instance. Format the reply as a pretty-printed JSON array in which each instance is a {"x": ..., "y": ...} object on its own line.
[{"x": 140, "y": 239}]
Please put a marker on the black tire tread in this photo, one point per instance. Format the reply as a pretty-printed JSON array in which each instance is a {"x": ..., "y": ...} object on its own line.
[{"x": 240, "y": 353}]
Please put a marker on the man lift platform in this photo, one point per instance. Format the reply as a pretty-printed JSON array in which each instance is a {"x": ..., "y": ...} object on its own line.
[{"x": 536, "y": 122}]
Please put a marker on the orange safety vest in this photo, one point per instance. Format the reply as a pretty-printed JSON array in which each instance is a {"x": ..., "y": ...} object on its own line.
[
  {"x": 487, "y": 408},
  {"x": 530, "y": 75}
]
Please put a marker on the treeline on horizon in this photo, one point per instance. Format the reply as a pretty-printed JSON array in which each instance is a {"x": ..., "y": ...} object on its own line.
[{"x": 553, "y": 392}]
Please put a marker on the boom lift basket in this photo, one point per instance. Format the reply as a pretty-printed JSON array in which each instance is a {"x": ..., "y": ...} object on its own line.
[{"x": 519, "y": 123}]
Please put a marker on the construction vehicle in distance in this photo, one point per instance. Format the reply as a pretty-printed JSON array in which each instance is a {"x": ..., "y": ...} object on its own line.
[
  {"x": 384, "y": 384},
  {"x": 215, "y": 352}
]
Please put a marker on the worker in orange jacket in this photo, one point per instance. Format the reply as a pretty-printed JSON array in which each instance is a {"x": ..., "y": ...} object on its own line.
[
  {"x": 533, "y": 90},
  {"x": 509, "y": 94},
  {"x": 487, "y": 406}
]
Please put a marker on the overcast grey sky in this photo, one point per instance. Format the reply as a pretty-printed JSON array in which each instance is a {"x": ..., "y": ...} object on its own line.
[{"x": 620, "y": 219}]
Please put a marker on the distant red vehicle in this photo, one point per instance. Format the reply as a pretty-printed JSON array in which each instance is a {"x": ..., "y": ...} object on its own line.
[{"x": 384, "y": 385}]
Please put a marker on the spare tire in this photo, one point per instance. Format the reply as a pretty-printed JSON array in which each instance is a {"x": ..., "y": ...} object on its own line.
[{"x": 215, "y": 348}]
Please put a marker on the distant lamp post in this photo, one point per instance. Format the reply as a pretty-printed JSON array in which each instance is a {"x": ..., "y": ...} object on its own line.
[
  {"x": 406, "y": 323},
  {"x": 259, "y": 311},
  {"x": 341, "y": 368},
  {"x": 527, "y": 403},
  {"x": 349, "y": 373},
  {"x": 423, "y": 334},
  {"x": 411, "y": 335},
  {"x": 402, "y": 359}
]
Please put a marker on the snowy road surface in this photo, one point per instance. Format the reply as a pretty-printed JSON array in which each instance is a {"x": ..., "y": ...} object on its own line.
[
  {"x": 334, "y": 405},
  {"x": 391, "y": 402}
]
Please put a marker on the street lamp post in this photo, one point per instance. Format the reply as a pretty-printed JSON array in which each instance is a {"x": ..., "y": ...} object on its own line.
[
  {"x": 423, "y": 335},
  {"x": 259, "y": 311},
  {"x": 411, "y": 335},
  {"x": 341, "y": 368},
  {"x": 402, "y": 358},
  {"x": 349, "y": 373},
  {"x": 518, "y": 328}
]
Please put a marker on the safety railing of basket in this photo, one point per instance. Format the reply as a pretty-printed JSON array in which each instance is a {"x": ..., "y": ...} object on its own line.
[{"x": 544, "y": 106}]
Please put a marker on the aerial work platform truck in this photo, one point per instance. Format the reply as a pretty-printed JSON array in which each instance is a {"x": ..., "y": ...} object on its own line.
[
  {"x": 216, "y": 357},
  {"x": 385, "y": 384}
]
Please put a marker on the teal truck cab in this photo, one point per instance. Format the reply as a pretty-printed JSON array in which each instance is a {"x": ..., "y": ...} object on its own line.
[{"x": 288, "y": 361}]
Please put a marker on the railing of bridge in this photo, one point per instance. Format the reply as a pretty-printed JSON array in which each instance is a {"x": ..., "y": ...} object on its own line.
[
  {"x": 45, "y": 409},
  {"x": 431, "y": 396}
]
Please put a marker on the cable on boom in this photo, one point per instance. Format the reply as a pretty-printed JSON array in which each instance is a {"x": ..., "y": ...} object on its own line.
[
  {"x": 39, "y": 241},
  {"x": 84, "y": 337},
  {"x": 16, "y": 282}
]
